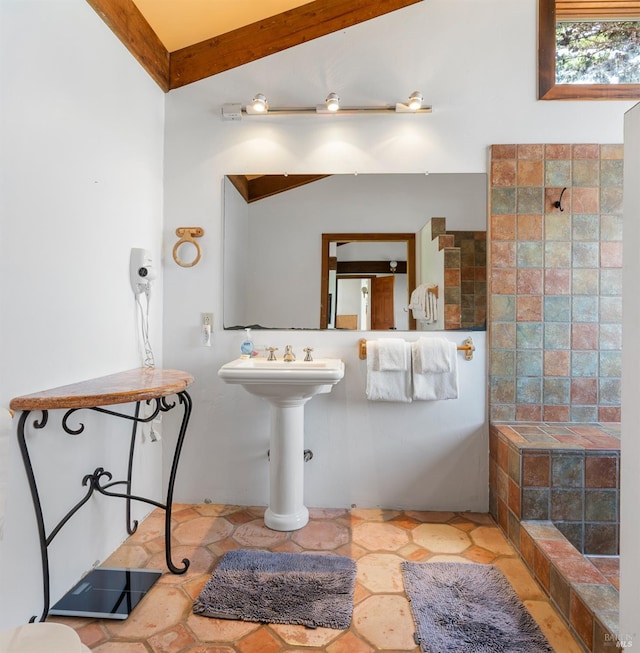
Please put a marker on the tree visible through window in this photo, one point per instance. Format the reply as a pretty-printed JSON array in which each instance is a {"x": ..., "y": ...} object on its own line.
[{"x": 598, "y": 52}]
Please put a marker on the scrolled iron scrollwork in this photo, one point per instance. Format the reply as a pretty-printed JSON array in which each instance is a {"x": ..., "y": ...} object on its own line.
[
  {"x": 165, "y": 405},
  {"x": 42, "y": 422},
  {"x": 65, "y": 425},
  {"x": 94, "y": 478}
]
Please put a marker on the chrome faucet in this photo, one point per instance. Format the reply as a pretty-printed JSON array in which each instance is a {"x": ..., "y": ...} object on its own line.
[{"x": 289, "y": 356}]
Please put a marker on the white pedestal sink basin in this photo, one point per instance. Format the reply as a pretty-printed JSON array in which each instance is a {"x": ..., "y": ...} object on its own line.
[{"x": 287, "y": 386}]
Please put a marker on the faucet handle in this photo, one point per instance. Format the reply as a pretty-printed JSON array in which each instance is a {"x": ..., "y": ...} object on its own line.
[
  {"x": 272, "y": 356},
  {"x": 308, "y": 351}
]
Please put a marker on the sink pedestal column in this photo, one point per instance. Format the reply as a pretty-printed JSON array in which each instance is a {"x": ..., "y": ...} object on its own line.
[
  {"x": 287, "y": 386},
  {"x": 286, "y": 511}
]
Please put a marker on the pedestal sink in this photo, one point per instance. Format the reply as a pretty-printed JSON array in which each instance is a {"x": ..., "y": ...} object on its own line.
[{"x": 287, "y": 386}]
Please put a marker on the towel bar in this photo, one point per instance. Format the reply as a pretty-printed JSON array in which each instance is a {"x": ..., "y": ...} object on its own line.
[{"x": 467, "y": 346}]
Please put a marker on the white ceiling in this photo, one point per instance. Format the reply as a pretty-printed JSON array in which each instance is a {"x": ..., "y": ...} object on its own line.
[{"x": 179, "y": 23}]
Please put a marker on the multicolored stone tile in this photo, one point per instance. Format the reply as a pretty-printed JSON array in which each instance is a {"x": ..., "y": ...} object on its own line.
[
  {"x": 378, "y": 539},
  {"x": 558, "y": 269}
]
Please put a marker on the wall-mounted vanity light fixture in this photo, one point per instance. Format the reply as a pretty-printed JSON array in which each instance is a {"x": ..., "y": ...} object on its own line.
[
  {"x": 260, "y": 107},
  {"x": 393, "y": 266}
]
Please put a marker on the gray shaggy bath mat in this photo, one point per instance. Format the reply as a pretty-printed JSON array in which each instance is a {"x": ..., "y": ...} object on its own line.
[
  {"x": 468, "y": 608},
  {"x": 280, "y": 588}
]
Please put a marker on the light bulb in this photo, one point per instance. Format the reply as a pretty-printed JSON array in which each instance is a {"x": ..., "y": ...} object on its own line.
[
  {"x": 333, "y": 102},
  {"x": 260, "y": 103},
  {"x": 415, "y": 101}
]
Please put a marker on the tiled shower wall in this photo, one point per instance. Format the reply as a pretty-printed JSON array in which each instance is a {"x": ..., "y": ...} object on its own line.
[{"x": 555, "y": 276}]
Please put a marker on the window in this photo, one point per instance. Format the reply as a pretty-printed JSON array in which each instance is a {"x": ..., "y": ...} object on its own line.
[{"x": 603, "y": 63}]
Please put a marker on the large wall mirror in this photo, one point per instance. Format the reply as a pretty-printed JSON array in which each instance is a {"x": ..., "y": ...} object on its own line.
[{"x": 277, "y": 229}]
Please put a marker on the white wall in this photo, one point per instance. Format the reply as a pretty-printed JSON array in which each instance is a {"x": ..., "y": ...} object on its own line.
[
  {"x": 81, "y": 130},
  {"x": 630, "y": 454},
  {"x": 479, "y": 100}
]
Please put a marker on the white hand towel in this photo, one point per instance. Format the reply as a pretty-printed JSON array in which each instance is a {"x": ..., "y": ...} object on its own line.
[
  {"x": 417, "y": 298},
  {"x": 392, "y": 355},
  {"x": 418, "y": 303},
  {"x": 432, "y": 302},
  {"x": 432, "y": 355},
  {"x": 385, "y": 385},
  {"x": 423, "y": 303},
  {"x": 443, "y": 385}
]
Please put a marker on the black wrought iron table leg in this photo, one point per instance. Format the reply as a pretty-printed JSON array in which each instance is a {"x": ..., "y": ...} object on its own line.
[
  {"x": 185, "y": 400},
  {"x": 44, "y": 555},
  {"x": 132, "y": 527}
]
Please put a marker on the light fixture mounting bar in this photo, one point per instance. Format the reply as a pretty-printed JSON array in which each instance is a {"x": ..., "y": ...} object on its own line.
[
  {"x": 278, "y": 110},
  {"x": 260, "y": 107},
  {"x": 322, "y": 110}
]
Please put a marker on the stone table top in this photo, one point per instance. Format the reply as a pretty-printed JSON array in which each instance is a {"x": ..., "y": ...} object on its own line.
[{"x": 123, "y": 387}]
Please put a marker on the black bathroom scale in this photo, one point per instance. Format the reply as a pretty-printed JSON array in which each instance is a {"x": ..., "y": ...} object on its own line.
[{"x": 107, "y": 593}]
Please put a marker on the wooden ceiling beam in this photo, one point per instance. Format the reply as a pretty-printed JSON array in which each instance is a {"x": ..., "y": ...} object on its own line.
[
  {"x": 125, "y": 20},
  {"x": 271, "y": 35},
  {"x": 257, "y": 187},
  {"x": 597, "y": 9},
  {"x": 268, "y": 185},
  {"x": 370, "y": 267},
  {"x": 241, "y": 184}
]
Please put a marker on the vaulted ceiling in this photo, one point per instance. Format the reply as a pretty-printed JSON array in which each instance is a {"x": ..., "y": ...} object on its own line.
[{"x": 182, "y": 41}]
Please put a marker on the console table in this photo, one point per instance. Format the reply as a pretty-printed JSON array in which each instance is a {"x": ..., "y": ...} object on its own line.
[{"x": 150, "y": 385}]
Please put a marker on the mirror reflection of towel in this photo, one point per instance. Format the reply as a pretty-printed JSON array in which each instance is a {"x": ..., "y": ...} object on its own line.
[{"x": 423, "y": 304}]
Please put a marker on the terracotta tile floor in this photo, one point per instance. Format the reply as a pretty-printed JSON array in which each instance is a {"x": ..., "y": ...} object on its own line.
[{"x": 377, "y": 539}]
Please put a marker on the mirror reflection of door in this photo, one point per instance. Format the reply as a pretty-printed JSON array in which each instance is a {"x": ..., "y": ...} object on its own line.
[
  {"x": 352, "y": 302},
  {"x": 382, "y": 312},
  {"x": 369, "y": 255}
]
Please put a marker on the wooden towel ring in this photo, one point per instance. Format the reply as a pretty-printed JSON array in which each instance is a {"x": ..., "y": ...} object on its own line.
[{"x": 187, "y": 235}]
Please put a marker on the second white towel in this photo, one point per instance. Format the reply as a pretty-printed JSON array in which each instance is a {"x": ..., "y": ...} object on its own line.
[
  {"x": 439, "y": 385},
  {"x": 431, "y": 355}
]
